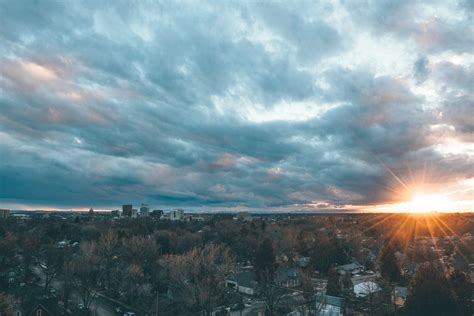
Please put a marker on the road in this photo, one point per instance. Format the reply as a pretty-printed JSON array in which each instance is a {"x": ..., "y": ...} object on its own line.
[
  {"x": 99, "y": 307},
  {"x": 256, "y": 306}
]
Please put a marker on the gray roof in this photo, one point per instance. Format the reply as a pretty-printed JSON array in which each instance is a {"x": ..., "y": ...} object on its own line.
[
  {"x": 401, "y": 291},
  {"x": 245, "y": 279},
  {"x": 330, "y": 300},
  {"x": 349, "y": 266}
]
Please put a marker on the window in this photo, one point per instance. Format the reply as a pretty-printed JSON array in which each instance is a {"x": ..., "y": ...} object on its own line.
[
  {"x": 18, "y": 313},
  {"x": 39, "y": 312}
]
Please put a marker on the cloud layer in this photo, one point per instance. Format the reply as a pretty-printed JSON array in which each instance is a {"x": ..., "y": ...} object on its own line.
[{"x": 235, "y": 105}]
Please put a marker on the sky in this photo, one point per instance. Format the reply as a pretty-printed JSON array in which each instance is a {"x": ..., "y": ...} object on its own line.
[{"x": 236, "y": 105}]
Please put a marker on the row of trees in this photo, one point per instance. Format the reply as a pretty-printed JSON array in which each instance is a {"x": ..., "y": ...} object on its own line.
[{"x": 147, "y": 263}]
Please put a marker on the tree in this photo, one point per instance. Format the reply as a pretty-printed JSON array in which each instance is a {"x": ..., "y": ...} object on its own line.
[
  {"x": 265, "y": 262},
  {"x": 197, "y": 275},
  {"x": 51, "y": 262},
  {"x": 107, "y": 248},
  {"x": 4, "y": 303},
  {"x": 429, "y": 294},
  {"x": 463, "y": 288},
  {"x": 86, "y": 272},
  {"x": 389, "y": 266},
  {"x": 333, "y": 287}
]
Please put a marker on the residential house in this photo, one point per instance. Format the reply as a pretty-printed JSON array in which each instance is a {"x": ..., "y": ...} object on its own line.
[
  {"x": 399, "y": 296},
  {"x": 288, "y": 276},
  {"x": 327, "y": 305},
  {"x": 243, "y": 282},
  {"x": 350, "y": 268},
  {"x": 366, "y": 288}
]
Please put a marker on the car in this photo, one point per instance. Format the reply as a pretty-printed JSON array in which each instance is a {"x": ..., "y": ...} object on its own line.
[{"x": 129, "y": 314}]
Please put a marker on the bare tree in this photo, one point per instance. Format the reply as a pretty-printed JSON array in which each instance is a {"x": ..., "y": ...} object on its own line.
[
  {"x": 86, "y": 273},
  {"x": 107, "y": 247},
  {"x": 198, "y": 275},
  {"x": 50, "y": 261}
]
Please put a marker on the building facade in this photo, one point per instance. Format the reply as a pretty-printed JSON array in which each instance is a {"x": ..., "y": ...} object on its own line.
[
  {"x": 176, "y": 215},
  {"x": 127, "y": 210},
  {"x": 4, "y": 213},
  {"x": 144, "y": 210}
]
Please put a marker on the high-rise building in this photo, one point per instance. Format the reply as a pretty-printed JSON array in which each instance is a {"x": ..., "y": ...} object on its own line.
[
  {"x": 134, "y": 213},
  {"x": 4, "y": 213},
  {"x": 156, "y": 214},
  {"x": 176, "y": 215},
  {"x": 127, "y": 210},
  {"x": 144, "y": 210}
]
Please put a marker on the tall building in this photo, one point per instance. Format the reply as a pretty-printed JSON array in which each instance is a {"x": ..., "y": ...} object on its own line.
[
  {"x": 127, "y": 210},
  {"x": 144, "y": 210},
  {"x": 134, "y": 213},
  {"x": 4, "y": 213},
  {"x": 156, "y": 214},
  {"x": 176, "y": 215}
]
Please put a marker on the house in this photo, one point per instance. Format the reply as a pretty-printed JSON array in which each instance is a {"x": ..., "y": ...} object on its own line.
[
  {"x": 40, "y": 310},
  {"x": 37, "y": 309},
  {"x": 356, "y": 279},
  {"x": 399, "y": 296},
  {"x": 243, "y": 282},
  {"x": 327, "y": 305},
  {"x": 350, "y": 268},
  {"x": 366, "y": 288},
  {"x": 303, "y": 262},
  {"x": 288, "y": 276}
]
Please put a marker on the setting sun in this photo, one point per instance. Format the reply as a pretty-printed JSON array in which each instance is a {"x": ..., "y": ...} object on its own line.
[{"x": 424, "y": 203}]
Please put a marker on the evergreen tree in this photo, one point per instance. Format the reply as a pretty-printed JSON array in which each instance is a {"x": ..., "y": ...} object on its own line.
[
  {"x": 429, "y": 294},
  {"x": 334, "y": 285},
  {"x": 389, "y": 266},
  {"x": 463, "y": 288},
  {"x": 265, "y": 262}
]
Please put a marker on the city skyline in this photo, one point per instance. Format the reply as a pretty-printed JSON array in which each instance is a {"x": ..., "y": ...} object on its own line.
[{"x": 237, "y": 106}]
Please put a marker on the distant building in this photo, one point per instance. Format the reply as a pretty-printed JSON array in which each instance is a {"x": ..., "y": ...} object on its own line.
[
  {"x": 176, "y": 215},
  {"x": 157, "y": 214},
  {"x": 4, "y": 213},
  {"x": 144, "y": 210},
  {"x": 244, "y": 216},
  {"x": 115, "y": 213},
  {"x": 91, "y": 211},
  {"x": 127, "y": 210},
  {"x": 134, "y": 213}
]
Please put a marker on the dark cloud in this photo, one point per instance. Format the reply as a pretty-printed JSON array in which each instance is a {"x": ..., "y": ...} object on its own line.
[
  {"x": 172, "y": 104},
  {"x": 421, "y": 69}
]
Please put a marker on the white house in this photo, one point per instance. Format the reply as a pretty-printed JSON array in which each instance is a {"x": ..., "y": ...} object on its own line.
[{"x": 364, "y": 289}]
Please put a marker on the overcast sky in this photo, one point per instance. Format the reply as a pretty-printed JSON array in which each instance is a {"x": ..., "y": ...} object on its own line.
[{"x": 235, "y": 105}]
